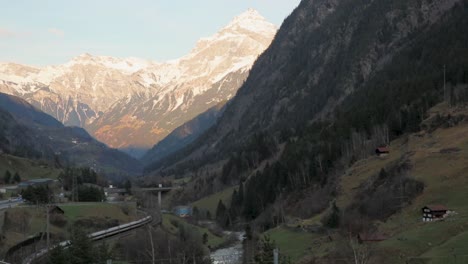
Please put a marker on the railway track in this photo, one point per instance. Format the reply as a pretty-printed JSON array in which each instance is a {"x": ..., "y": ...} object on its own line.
[{"x": 96, "y": 236}]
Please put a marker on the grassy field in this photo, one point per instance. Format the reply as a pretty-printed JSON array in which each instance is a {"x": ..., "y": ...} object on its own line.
[
  {"x": 27, "y": 221},
  {"x": 168, "y": 220},
  {"x": 210, "y": 203},
  {"x": 26, "y": 168},
  {"x": 22, "y": 223},
  {"x": 114, "y": 211},
  {"x": 294, "y": 244},
  {"x": 445, "y": 177}
]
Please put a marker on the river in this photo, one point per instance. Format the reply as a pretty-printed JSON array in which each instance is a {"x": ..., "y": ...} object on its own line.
[{"x": 231, "y": 254}]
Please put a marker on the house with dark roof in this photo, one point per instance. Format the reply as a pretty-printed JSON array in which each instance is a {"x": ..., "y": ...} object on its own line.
[
  {"x": 382, "y": 151},
  {"x": 56, "y": 210},
  {"x": 434, "y": 212}
]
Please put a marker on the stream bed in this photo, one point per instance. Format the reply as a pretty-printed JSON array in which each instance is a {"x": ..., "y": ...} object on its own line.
[{"x": 232, "y": 254}]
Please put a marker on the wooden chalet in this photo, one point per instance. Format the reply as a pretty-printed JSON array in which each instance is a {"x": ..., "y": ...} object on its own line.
[
  {"x": 382, "y": 151},
  {"x": 434, "y": 212}
]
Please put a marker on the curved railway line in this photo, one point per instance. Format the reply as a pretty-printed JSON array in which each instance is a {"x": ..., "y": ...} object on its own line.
[{"x": 96, "y": 236}]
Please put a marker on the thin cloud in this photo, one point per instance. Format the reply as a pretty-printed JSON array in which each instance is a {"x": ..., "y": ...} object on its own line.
[
  {"x": 56, "y": 32},
  {"x": 5, "y": 33}
]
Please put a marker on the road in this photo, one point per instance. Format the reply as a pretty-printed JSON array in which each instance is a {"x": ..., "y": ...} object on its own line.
[{"x": 5, "y": 204}]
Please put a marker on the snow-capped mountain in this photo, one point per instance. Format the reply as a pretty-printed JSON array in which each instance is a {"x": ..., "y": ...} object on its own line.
[
  {"x": 135, "y": 103},
  {"x": 74, "y": 92}
]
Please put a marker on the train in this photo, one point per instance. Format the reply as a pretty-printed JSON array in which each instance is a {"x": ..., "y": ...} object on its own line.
[{"x": 95, "y": 236}]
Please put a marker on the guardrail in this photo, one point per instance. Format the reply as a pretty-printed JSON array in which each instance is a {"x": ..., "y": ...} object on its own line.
[{"x": 94, "y": 236}]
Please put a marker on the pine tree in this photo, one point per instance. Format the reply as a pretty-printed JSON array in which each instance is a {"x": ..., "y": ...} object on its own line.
[
  {"x": 220, "y": 209},
  {"x": 264, "y": 254},
  {"x": 16, "y": 178},
  {"x": 7, "y": 177},
  {"x": 81, "y": 250},
  {"x": 222, "y": 216},
  {"x": 58, "y": 256},
  {"x": 102, "y": 253},
  {"x": 240, "y": 194},
  {"x": 333, "y": 219},
  {"x": 128, "y": 187},
  {"x": 196, "y": 213}
]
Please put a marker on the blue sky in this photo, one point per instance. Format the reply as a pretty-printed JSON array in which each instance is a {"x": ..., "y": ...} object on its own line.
[{"x": 50, "y": 32}]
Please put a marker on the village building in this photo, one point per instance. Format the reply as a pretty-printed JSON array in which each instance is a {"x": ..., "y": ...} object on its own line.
[
  {"x": 434, "y": 212},
  {"x": 382, "y": 151},
  {"x": 56, "y": 210},
  {"x": 182, "y": 211}
]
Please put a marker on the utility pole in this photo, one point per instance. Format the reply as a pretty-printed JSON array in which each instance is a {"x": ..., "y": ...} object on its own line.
[
  {"x": 152, "y": 244},
  {"x": 445, "y": 88},
  {"x": 159, "y": 197},
  {"x": 47, "y": 227},
  {"x": 74, "y": 188},
  {"x": 275, "y": 256}
]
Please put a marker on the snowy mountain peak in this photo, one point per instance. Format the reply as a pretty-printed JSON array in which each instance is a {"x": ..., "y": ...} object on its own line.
[
  {"x": 134, "y": 102},
  {"x": 126, "y": 65},
  {"x": 250, "y": 24},
  {"x": 251, "y": 20},
  {"x": 251, "y": 13}
]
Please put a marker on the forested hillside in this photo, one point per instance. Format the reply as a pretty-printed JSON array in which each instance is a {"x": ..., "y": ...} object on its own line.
[
  {"x": 340, "y": 79},
  {"x": 28, "y": 132}
]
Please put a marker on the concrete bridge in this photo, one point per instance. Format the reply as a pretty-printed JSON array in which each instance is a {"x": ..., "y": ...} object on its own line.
[
  {"x": 159, "y": 189},
  {"x": 152, "y": 189}
]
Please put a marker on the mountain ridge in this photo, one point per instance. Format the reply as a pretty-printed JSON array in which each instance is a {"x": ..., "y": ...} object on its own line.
[
  {"x": 30, "y": 133},
  {"x": 92, "y": 91},
  {"x": 307, "y": 94}
]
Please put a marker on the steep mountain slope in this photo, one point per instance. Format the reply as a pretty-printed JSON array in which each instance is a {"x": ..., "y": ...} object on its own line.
[
  {"x": 325, "y": 51},
  {"x": 135, "y": 103},
  {"x": 341, "y": 79},
  {"x": 183, "y": 135},
  {"x": 210, "y": 74},
  {"x": 27, "y": 132},
  {"x": 289, "y": 156}
]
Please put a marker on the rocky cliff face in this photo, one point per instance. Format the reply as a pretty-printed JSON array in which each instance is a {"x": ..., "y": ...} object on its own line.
[
  {"x": 136, "y": 103},
  {"x": 185, "y": 88},
  {"x": 184, "y": 135}
]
